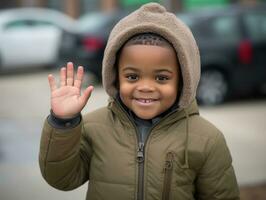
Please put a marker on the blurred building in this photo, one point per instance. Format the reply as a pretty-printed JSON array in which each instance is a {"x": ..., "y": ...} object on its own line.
[{"x": 75, "y": 8}]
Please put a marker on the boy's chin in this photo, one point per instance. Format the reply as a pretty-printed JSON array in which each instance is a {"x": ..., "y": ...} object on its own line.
[{"x": 145, "y": 116}]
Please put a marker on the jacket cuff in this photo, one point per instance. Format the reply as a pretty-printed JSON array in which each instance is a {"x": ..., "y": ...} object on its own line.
[{"x": 60, "y": 123}]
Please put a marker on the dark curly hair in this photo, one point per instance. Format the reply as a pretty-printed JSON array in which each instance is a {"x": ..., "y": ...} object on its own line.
[{"x": 148, "y": 39}]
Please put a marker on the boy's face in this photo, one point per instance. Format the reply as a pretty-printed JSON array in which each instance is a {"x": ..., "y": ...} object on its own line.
[{"x": 148, "y": 79}]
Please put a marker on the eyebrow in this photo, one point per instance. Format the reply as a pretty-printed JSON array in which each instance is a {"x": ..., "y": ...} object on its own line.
[
  {"x": 164, "y": 70},
  {"x": 130, "y": 68},
  {"x": 156, "y": 71}
]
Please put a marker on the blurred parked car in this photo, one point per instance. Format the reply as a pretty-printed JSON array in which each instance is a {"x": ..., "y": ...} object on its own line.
[
  {"x": 86, "y": 46},
  {"x": 31, "y": 36},
  {"x": 232, "y": 43}
]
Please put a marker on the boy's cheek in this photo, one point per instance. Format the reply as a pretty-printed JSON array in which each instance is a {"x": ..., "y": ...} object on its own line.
[
  {"x": 125, "y": 92},
  {"x": 125, "y": 88}
]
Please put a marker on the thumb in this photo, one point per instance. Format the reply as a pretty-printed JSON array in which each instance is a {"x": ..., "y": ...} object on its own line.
[{"x": 86, "y": 95}]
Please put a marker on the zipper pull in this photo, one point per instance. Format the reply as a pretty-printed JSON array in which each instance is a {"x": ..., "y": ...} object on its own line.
[
  {"x": 140, "y": 152},
  {"x": 169, "y": 161}
]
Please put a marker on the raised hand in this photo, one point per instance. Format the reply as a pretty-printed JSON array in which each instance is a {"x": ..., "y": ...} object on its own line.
[{"x": 66, "y": 100}]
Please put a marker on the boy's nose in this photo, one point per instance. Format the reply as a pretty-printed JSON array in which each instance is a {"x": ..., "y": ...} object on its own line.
[{"x": 145, "y": 86}]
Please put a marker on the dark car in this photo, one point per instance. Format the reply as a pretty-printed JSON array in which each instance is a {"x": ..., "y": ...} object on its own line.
[
  {"x": 86, "y": 46},
  {"x": 232, "y": 43}
]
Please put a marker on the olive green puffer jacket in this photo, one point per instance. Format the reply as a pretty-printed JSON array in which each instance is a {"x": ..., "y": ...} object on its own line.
[{"x": 184, "y": 157}]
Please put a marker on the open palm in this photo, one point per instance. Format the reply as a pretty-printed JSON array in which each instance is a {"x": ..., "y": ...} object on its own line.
[{"x": 66, "y": 100}]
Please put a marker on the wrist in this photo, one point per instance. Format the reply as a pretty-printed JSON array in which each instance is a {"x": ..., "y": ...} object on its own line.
[
  {"x": 59, "y": 122},
  {"x": 67, "y": 118}
]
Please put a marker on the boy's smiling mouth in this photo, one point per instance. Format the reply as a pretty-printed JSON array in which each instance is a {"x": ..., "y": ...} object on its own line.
[{"x": 145, "y": 101}]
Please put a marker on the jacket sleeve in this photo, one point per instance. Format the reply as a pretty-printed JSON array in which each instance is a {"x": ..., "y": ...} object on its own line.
[
  {"x": 216, "y": 179},
  {"x": 64, "y": 156}
]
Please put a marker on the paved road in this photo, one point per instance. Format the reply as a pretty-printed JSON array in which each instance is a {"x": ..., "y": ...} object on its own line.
[{"x": 25, "y": 103}]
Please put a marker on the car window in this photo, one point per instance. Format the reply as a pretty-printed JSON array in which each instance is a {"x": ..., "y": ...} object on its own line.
[
  {"x": 225, "y": 28},
  {"x": 92, "y": 22},
  {"x": 188, "y": 20},
  {"x": 98, "y": 22},
  {"x": 42, "y": 23},
  {"x": 16, "y": 24},
  {"x": 112, "y": 22},
  {"x": 220, "y": 28},
  {"x": 256, "y": 25}
]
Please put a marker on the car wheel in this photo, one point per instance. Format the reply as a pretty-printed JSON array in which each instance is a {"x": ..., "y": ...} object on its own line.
[{"x": 213, "y": 87}]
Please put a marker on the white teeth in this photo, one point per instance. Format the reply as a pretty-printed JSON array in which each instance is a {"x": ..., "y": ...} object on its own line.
[{"x": 145, "y": 100}]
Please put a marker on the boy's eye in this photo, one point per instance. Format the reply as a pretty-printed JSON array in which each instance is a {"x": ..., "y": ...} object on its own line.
[
  {"x": 162, "y": 78},
  {"x": 132, "y": 77}
]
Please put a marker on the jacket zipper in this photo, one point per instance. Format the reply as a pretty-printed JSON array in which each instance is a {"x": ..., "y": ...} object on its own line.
[
  {"x": 139, "y": 157},
  {"x": 140, "y": 160},
  {"x": 168, "y": 168},
  {"x": 140, "y": 152}
]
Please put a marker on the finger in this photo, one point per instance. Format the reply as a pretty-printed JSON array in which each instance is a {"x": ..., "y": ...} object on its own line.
[
  {"x": 63, "y": 76},
  {"x": 79, "y": 78},
  {"x": 86, "y": 95},
  {"x": 70, "y": 73},
  {"x": 52, "y": 82}
]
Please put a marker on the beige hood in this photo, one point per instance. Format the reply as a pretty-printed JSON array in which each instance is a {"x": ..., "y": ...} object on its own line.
[{"x": 152, "y": 17}]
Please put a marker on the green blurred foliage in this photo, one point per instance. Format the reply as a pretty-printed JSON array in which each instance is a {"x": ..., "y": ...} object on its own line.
[
  {"x": 193, "y": 4},
  {"x": 130, "y": 3}
]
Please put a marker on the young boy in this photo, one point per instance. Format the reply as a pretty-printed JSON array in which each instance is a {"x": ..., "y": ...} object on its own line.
[{"x": 150, "y": 141}]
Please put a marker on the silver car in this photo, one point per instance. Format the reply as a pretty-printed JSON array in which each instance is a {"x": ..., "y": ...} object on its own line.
[{"x": 31, "y": 37}]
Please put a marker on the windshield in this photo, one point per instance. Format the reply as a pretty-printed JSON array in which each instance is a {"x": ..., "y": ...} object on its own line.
[
  {"x": 92, "y": 22},
  {"x": 188, "y": 20}
]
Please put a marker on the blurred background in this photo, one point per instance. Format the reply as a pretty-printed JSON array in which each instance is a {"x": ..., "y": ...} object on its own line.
[{"x": 37, "y": 37}]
